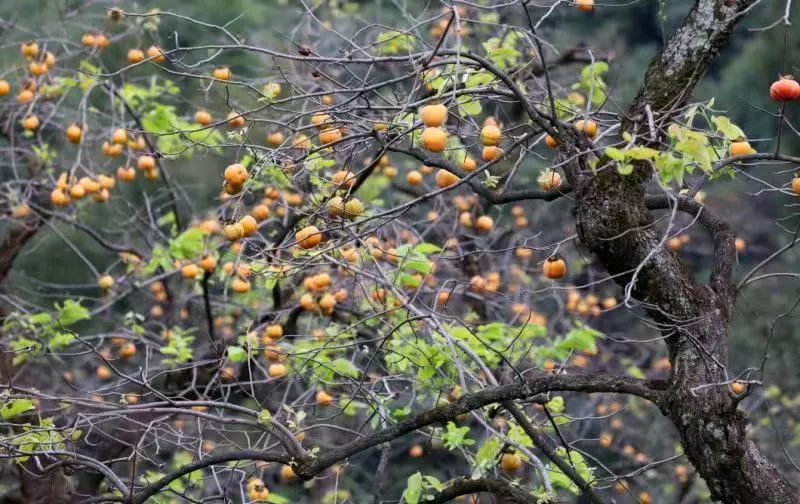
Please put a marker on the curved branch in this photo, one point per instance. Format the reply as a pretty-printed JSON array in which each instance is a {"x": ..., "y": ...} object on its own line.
[
  {"x": 652, "y": 390},
  {"x": 308, "y": 467},
  {"x": 722, "y": 235},
  {"x": 491, "y": 485},
  {"x": 94, "y": 235}
]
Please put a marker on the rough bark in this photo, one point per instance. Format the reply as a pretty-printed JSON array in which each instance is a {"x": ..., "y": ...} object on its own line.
[
  {"x": 673, "y": 74},
  {"x": 15, "y": 240},
  {"x": 613, "y": 220}
]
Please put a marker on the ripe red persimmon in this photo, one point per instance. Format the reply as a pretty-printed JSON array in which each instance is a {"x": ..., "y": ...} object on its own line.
[{"x": 785, "y": 89}]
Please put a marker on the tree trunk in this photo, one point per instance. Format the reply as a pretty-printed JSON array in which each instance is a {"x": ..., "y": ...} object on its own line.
[
  {"x": 614, "y": 222},
  {"x": 13, "y": 243}
]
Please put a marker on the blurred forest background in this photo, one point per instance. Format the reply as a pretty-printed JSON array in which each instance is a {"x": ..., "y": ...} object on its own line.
[{"x": 629, "y": 34}]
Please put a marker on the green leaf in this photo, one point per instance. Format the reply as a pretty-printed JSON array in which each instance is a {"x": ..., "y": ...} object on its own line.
[
  {"x": 188, "y": 244},
  {"x": 434, "y": 483},
  {"x": 488, "y": 452},
  {"x": 580, "y": 339},
  {"x": 421, "y": 266},
  {"x": 60, "y": 340},
  {"x": 615, "y": 154},
  {"x": 237, "y": 354},
  {"x": 393, "y": 42},
  {"x": 426, "y": 248},
  {"x": 556, "y": 404},
  {"x": 727, "y": 128},
  {"x": 179, "y": 347},
  {"x": 89, "y": 67},
  {"x": 16, "y": 407},
  {"x": 669, "y": 167},
  {"x": 344, "y": 367},
  {"x": 41, "y": 318},
  {"x": 591, "y": 81},
  {"x": 425, "y": 373},
  {"x": 413, "y": 490},
  {"x": 640, "y": 153},
  {"x": 578, "y": 462},
  {"x": 408, "y": 281},
  {"x": 625, "y": 169},
  {"x": 71, "y": 312},
  {"x": 505, "y": 53},
  {"x": 519, "y": 436},
  {"x": 468, "y": 105},
  {"x": 277, "y": 499},
  {"x": 456, "y": 437},
  {"x": 265, "y": 417},
  {"x": 479, "y": 78},
  {"x": 401, "y": 412}
]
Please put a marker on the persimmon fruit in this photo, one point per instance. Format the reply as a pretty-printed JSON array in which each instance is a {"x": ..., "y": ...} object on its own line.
[
  {"x": 74, "y": 133},
  {"x": 785, "y": 89},
  {"x": 554, "y": 268},
  {"x": 491, "y": 152},
  {"x": 222, "y": 73},
  {"x": 434, "y": 139},
  {"x": 510, "y": 462},
  {"x": 203, "y": 118},
  {"x": 324, "y": 398},
  {"x": 414, "y": 178},
  {"x": 484, "y": 224},
  {"x": 308, "y": 237},
  {"x": 740, "y": 148},
  {"x": 490, "y": 135},
  {"x": 433, "y": 115},
  {"x": 105, "y": 282},
  {"x": 135, "y": 56},
  {"x": 235, "y": 174},
  {"x": 126, "y": 173},
  {"x": 156, "y": 54},
  {"x": 235, "y": 119},
  {"x": 445, "y": 179},
  {"x": 276, "y": 370},
  {"x": 587, "y": 126},
  {"x": 30, "y": 122}
]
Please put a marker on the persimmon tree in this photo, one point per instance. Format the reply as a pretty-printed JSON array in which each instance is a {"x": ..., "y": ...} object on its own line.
[{"x": 275, "y": 272}]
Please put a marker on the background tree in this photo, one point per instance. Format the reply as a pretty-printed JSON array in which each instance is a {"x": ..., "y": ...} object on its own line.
[{"x": 398, "y": 253}]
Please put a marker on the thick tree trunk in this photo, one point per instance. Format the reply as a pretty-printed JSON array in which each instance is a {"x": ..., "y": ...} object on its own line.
[
  {"x": 12, "y": 245},
  {"x": 615, "y": 225},
  {"x": 614, "y": 222}
]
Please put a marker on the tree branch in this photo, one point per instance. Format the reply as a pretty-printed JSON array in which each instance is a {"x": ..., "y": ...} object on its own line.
[
  {"x": 491, "y": 485},
  {"x": 647, "y": 389}
]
